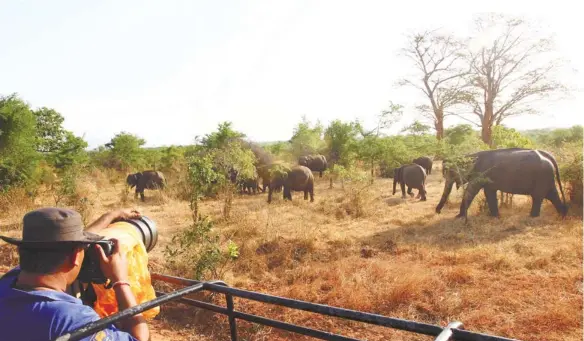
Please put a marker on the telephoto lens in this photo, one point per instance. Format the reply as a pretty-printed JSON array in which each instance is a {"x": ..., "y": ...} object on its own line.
[{"x": 148, "y": 235}]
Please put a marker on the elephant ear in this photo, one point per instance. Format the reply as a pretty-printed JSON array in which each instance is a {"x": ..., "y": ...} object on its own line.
[{"x": 279, "y": 171}]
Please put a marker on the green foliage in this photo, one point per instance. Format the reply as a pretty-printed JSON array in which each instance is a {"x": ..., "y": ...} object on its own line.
[
  {"x": 223, "y": 136},
  {"x": 417, "y": 128},
  {"x": 341, "y": 140},
  {"x": 278, "y": 148},
  {"x": 460, "y": 134},
  {"x": 125, "y": 151},
  {"x": 504, "y": 137},
  {"x": 18, "y": 155},
  {"x": 556, "y": 137},
  {"x": 172, "y": 158},
  {"x": 201, "y": 179},
  {"x": 344, "y": 174},
  {"x": 571, "y": 165},
  {"x": 459, "y": 140},
  {"x": 197, "y": 250},
  {"x": 60, "y": 147},
  {"x": 307, "y": 139}
]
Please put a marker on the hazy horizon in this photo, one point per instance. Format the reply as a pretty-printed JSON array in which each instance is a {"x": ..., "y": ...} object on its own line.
[{"x": 168, "y": 71}]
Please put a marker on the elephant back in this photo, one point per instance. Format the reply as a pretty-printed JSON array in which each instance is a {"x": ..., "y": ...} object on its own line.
[
  {"x": 413, "y": 174},
  {"x": 300, "y": 178}
]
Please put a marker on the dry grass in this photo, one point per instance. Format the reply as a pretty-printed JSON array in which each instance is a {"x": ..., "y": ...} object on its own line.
[{"x": 516, "y": 276}]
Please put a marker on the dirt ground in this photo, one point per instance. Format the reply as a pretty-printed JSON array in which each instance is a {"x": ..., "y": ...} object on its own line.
[{"x": 512, "y": 276}]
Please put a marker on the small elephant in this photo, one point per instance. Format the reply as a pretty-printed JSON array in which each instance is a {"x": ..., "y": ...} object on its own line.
[
  {"x": 425, "y": 162},
  {"x": 248, "y": 185},
  {"x": 149, "y": 179},
  {"x": 413, "y": 176},
  {"x": 298, "y": 178},
  {"x": 316, "y": 163}
]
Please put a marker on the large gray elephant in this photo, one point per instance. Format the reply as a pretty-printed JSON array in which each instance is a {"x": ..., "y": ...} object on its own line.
[
  {"x": 413, "y": 176},
  {"x": 425, "y": 162},
  {"x": 149, "y": 179},
  {"x": 298, "y": 178},
  {"x": 511, "y": 170},
  {"x": 316, "y": 163}
]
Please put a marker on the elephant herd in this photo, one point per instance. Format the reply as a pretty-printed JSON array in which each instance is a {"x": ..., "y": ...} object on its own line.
[{"x": 510, "y": 170}]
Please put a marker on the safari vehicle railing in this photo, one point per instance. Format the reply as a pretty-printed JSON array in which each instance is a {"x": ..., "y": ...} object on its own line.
[{"x": 452, "y": 331}]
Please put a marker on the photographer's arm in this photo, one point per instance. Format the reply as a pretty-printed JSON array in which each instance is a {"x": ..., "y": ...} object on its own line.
[
  {"x": 107, "y": 218},
  {"x": 115, "y": 268},
  {"x": 135, "y": 325}
]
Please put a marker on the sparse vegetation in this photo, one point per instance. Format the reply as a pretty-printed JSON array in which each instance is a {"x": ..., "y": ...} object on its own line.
[{"x": 357, "y": 246}]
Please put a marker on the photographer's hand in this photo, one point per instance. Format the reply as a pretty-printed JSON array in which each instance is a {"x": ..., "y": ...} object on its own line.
[{"x": 115, "y": 267}]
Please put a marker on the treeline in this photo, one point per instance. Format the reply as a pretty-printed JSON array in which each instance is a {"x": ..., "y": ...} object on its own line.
[{"x": 36, "y": 150}]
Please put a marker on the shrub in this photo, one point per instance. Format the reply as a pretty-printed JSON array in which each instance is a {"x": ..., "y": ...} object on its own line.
[
  {"x": 571, "y": 171},
  {"x": 197, "y": 252}
]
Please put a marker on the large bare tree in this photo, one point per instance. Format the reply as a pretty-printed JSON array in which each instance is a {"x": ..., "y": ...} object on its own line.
[
  {"x": 510, "y": 73},
  {"x": 440, "y": 65}
]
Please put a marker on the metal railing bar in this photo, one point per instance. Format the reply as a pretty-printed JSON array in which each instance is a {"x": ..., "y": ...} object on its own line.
[
  {"x": 174, "y": 279},
  {"x": 465, "y": 335},
  {"x": 447, "y": 332},
  {"x": 427, "y": 329},
  {"x": 231, "y": 315},
  {"x": 319, "y": 334},
  {"x": 199, "y": 304},
  {"x": 417, "y": 327},
  {"x": 95, "y": 326}
]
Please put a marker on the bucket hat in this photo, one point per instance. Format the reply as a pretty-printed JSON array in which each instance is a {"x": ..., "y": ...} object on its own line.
[{"x": 52, "y": 227}]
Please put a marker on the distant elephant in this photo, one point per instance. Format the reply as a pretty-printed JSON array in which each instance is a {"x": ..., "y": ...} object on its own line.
[
  {"x": 425, "y": 162},
  {"x": 248, "y": 185},
  {"x": 413, "y": 176},
  {"x": 298, "y": 178},
  {"x": 146, "y": 180},
  {"x": 316, "y": 163},
  {"x": 510, "y": 170}
]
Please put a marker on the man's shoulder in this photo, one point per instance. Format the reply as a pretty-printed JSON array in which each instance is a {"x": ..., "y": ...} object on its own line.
[{"x": 69, "y": 317}]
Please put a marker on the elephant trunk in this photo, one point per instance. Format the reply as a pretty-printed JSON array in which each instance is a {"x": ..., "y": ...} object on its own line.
[{"x": 445, "y": 194}]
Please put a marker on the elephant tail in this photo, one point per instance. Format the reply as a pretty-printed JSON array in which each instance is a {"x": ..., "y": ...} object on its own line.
[{"x": 557, "y": 169}]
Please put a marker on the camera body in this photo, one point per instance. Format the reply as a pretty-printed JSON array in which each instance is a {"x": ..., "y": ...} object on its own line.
[{"x": 90, "y": 269}]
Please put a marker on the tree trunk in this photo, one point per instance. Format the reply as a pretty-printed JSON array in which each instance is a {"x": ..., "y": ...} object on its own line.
[
  {"x": 486, "y": 134},
  {"x": 487, "y": 125},
  {"x": 372, "y": 170},
  {"x": 439, "y": 124}
]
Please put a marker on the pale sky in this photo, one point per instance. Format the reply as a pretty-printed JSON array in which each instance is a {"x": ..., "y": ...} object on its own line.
[{"x": 170, "y": 70}]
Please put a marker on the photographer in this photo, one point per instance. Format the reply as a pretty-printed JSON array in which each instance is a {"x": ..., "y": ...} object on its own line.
[{"x": 34, "y": 304}]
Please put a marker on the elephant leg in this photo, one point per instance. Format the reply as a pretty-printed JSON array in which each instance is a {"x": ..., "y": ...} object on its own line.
[
  {"x": 311, "y": 192},
  {"x": 136, "y": 192},
  {"x": 554, "y": 197},
  {"x": 491, "y": 196},
  {"x": 470, "y": 193},
  {"x": 142, "y": 195},
  {"x": 410, "y": 191},
  {"x": 270, "y": 195},
  {"x": 536, "y": 205},
  {"x": 306, "y": 194},
  {"x": 422, "y": 193},
  {"x": 403, "y": 189}
]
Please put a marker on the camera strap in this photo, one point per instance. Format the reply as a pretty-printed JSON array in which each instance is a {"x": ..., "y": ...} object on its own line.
[{"x": 88, "y": 296}]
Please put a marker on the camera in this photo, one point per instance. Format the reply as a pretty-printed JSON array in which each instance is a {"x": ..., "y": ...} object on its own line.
[{"x": 90, "y": 269}]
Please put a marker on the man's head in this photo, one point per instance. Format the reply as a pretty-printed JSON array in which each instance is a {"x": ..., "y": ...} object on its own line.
[{"x": 53, "y": 241}]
